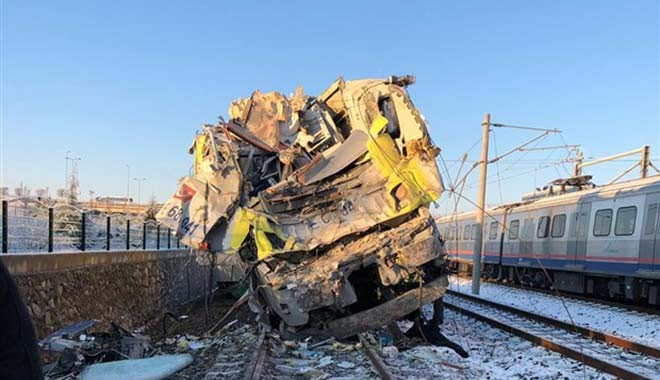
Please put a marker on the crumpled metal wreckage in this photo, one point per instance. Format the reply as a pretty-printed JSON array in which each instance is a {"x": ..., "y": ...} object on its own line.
[{"x": 323, "y": 202}]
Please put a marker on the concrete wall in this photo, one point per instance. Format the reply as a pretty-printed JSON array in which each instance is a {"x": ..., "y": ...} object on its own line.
[{"x": 130, "y": 288}]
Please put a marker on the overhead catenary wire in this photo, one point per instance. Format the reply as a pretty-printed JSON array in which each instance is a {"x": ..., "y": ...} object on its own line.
[
  {"x": 456, "y": 202},
  {"x": 534, "y": 169},
  {"x": 520, "y": 163},
  {"x": 500, "y": 125},
  {"x": 497, "y": 167}
]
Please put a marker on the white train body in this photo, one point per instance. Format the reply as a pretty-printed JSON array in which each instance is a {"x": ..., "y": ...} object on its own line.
[{"x": 602, "y": 241}]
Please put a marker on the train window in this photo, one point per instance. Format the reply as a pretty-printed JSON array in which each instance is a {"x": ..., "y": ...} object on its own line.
[
  {"x": 558, "y": 225},
  {"x": 651, "y": 216},
  {"x": 514, "y": 226},
  {"x": 474, "y": 231},
  {"x": 603, "y": 222},
  {"x": 492, "y": 234},
  {"x": 625, "y": 221},
  {"x": 445, "y": 234},
  {"x": 466, "y": 232},
  {"x": 458, "y": 233},
  {"x": 544, "y": 227}
]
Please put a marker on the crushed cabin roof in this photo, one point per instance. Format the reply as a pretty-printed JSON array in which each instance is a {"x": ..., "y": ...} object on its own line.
[{"x": 279, "y": 168}]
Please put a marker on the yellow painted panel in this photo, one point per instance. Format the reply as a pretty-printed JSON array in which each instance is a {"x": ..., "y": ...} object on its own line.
[{"x": 408, "y": 172}]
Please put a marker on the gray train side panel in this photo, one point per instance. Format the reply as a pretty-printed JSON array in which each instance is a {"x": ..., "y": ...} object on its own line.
[{"x": 582, "y": 233}]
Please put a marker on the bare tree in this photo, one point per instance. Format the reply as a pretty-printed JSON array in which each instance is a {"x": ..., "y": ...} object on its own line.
[
  {"x": 68, "y": 217},
  {"x": 152, "y": 210}
]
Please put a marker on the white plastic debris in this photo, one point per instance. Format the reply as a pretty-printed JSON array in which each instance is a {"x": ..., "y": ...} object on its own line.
[
  {"x": 324, "y": 361},
  {"x": 154, "y": 368},
  {"x": 390, "y": 352},
  {"x": 196, "y": 345},
  {"x": 345, "y": 365}
]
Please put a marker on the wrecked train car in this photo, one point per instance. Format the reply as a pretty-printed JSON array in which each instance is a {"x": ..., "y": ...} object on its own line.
[{"x": 323, "y": 201}]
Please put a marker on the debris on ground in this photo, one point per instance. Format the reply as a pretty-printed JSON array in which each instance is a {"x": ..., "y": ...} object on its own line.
[
  {"x": 225, "y": 355},
  {"x": 320, "y": 204},
  {"x": 106, "y": 355}
]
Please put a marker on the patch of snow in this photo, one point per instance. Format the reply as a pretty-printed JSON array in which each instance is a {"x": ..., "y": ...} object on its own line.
[
  {"x": 639, "y": 327},
  {"x": 494, "y": 354}
]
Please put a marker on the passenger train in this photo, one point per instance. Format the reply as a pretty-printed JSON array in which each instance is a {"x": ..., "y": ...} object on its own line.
[{"x": 602, "y": 241}]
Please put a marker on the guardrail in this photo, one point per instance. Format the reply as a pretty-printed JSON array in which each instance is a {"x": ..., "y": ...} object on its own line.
[{"x": 28, "y": 225}]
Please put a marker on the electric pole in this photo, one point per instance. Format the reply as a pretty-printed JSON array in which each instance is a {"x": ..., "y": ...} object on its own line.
[{"x": 481, "y": 204}]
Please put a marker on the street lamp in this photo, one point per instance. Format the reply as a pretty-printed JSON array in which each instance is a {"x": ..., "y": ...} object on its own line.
[
  {"x": 66, "y": 170},
  {"x": 139, "y": 181},
  {"x": 128, "y": 183}
]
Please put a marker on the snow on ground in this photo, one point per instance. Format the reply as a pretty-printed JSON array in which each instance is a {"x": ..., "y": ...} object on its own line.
[
  {"x": 629, "y": 324},
  {"x": 494, "y": 354}
]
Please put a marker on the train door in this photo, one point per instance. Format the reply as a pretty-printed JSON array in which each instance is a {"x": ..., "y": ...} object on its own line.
[
  {"x": 503, "y": 227},
  {"x": 649, "y": 247},
  {"x": 526, "y": 241},
  {"x": 582, "y": 233}
]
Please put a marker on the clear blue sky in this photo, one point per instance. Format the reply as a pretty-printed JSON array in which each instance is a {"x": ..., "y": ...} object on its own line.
[{"x": 128, "y": 82}]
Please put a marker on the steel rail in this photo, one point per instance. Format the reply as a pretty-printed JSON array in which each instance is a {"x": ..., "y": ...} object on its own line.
[
  {"x": 585, "y": 331},
  {"x": 256, "y": 365},
  {"x": 573, "y": 350},
  {"x": 378, "y": 363}
]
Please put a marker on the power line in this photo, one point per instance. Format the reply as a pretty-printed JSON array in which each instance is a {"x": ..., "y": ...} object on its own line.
[{"x": 500, "y": 125}]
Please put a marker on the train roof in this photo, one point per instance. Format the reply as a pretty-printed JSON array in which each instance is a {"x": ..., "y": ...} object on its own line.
[{"x": 650, "y": 183}]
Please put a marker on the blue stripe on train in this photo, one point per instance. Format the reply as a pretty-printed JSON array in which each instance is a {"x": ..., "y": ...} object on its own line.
[{"x": 599, "y": 266}]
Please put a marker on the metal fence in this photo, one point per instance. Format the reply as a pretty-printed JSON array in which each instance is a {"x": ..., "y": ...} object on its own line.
[{"x": 27, "y": 225}]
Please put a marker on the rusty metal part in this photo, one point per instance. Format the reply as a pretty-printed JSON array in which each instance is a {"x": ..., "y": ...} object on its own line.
[
  {"x": 575, "y": 347},
  {"x": 250, "y": 137},
  {"x": 382, "y": 314},
  {"x": 256, "y": 365},
  {"x": 590, "y": 333},
  {"x": 380, "y": 366}
]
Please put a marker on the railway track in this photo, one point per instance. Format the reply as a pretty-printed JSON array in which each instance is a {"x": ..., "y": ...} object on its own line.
[
  {"x": 608, "y": 353},
  {"x": 256, "y": 367}
]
